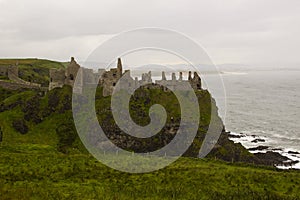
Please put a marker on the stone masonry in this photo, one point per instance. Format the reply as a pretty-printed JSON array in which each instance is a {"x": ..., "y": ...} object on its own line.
[
  {"x": 109, "y": 79},
  {"x": 12, "y": 73},
  {"x": 60, "y": 77}
]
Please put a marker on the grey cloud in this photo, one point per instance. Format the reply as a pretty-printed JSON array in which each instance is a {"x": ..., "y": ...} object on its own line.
[{"x": 233, "y": 31}]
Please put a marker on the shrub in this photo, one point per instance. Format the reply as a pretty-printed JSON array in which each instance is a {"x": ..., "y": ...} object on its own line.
[
  {"x": 20, "y": 126},
  {"x": 67, "y": 135}
]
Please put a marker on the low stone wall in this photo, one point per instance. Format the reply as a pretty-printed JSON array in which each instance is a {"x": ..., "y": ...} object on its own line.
[
  {"x": 15, "y": 78},
  {"x": 15, "y": 86}
]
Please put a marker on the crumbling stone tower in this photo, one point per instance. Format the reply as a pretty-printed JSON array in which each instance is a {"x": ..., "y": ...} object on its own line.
[
  {"x": 60, "y": 77},
  {"x": 57, "y": 78},
  {"x": 71, "y": 72},
  {"x": 110, "y": 78},
  {"x": 195, "y": 81}
]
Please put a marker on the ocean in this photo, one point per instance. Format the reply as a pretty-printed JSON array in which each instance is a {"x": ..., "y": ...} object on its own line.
[{"x": 263, "y": 104}]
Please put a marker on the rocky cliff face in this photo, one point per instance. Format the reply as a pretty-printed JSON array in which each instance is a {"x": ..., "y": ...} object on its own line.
[
  {"x": 140, "y": 103},
  {"x": 48, "y": 120}
]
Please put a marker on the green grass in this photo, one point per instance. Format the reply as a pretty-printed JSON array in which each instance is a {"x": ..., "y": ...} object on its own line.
[
  {"x": 33, "y": 62},
  {"x": 33, "y": 167},
  {"x": 5, "y": 93},
  {"x": 22, "y": 96},
  {"x": 40, "y": 172},
  {"x": 34, "y": 70}
]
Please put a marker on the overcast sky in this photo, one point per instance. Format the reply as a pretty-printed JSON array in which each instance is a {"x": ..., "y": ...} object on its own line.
[{"x": 250, "y": 32}]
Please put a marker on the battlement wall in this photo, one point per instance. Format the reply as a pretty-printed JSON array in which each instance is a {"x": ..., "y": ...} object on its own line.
[{"x": 109, "y": 79}]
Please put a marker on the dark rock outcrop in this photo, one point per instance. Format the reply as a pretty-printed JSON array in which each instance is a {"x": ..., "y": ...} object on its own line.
[
  {"x": 258, "y": 140},
  {"x": 20, "y": 126},
  {"x": 259, "y": 148},
  {"x": 235, "y": 136},
  {"x": 273, "y": 158},
  {"x": 293, "y": 152}
]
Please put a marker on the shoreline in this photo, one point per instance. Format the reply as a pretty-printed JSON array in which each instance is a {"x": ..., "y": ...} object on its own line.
[{"x": 257, "y": 145}]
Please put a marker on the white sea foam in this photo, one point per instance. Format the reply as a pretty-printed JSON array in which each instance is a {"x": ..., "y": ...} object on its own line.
[
  {"x": 246, "y": 140},
  {"x": 266, "y": 103}
]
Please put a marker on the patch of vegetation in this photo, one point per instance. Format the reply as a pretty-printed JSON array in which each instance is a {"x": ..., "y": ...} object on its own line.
[
  {"x": 67, "y": 134},
  {"x": 3, "y": 78},
  {"x": 5, "y": 93},
  {"x": 50, "y": 162},
  {"x": 34, "y": 70},
  {"x": 20, "y": 126},
  {"x": 39, "y": 172}
]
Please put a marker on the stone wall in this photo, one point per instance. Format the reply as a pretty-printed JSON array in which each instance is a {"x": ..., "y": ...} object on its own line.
[
  {"x": 110, "y": 78},
  {"x": 179, "y": 84},
  {"x": 71, "y": 72},
  {"x": 4, "y": 71},
  {"x": 60, "y": 77},
  {"x": 57, "y": 78},
  {"x": 15, "y": 86},
  {"x": 12, "y": 73},
  {"x": 195, "y": 81}
]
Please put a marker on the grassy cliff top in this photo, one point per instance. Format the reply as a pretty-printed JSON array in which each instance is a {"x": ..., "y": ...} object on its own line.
[
  {"x": 33, "y": 62},
  {"x": 33, "y": 69},
  {"x": 38, "y": 161}
]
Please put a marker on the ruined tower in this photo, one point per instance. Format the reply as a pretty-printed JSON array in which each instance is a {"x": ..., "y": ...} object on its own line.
[
  {"x": 119, "y": 67},
  {"x": 71, "y": 72},
  {"x": 111, "y": 77},
  {"x": 195, "y": 81},
  {"x": 60, "y": 77},
  {"x": 57, "y": 78}
]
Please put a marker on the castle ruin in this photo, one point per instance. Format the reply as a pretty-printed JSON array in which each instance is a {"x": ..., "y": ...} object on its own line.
[
  {"x": 11, "y": 72},
  {"x": 60, "y": 77},
  {"x": 109, "y": 79}
]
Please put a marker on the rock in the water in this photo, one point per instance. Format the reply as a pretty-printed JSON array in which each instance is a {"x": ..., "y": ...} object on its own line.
[
  {"x": 259, "y": 148},
  {"x": 235, "y": 136},
  {"x": 277, "y": 149},
  {"x": 289, "y": 163},
  {"x": 293, "y": 152},
  {"x": 258, "y": 140},
  {"x": 272, "y": 158}
]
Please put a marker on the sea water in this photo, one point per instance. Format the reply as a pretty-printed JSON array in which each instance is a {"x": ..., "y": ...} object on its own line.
[{"x": 264, "y": 103}]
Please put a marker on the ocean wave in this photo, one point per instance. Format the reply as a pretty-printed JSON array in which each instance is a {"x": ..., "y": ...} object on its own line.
[{"x": 247, "y": 139}]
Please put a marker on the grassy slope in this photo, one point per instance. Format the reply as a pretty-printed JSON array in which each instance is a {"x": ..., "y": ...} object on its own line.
[
  {"x": 39, "y": 172},
  {"x": 31, "y": 167},
  {"x": 32, "y": 69}
]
